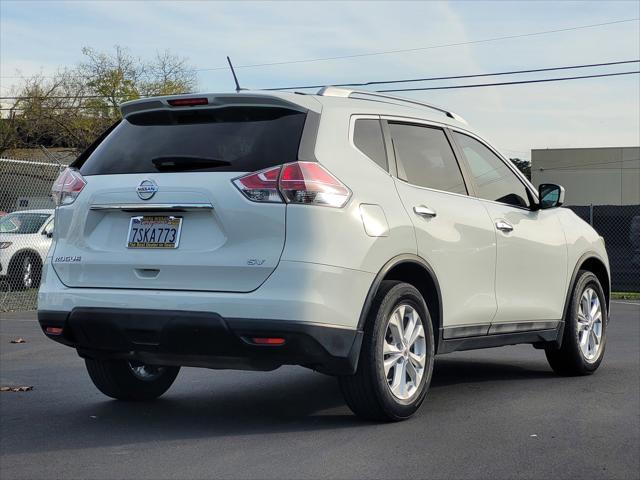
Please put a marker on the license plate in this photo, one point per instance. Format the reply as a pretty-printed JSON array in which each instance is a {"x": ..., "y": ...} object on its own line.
[{"x": 154, "y": 232}]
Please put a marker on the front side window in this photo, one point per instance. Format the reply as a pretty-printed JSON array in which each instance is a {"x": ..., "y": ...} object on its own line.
[
  {"x": 425, "y": 158},
  {"x": 367, "y": 136},
  {"x": 494, "y": 180}
]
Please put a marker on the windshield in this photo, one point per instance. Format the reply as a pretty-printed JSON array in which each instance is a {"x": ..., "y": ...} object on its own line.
[
  {"x": 23, "y": 222},
  {"x": 231, "y": 139}
]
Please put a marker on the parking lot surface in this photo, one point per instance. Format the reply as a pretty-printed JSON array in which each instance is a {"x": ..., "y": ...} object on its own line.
[{"x": 496, "y": 413}]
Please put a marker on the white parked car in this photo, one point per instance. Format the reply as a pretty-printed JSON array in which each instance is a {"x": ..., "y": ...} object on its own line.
[
  {"x": 353, "y": 233},
  {"x": 25, "y": 238}
]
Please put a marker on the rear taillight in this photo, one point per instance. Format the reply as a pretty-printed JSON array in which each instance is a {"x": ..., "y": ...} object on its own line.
[
  {"x": 261, "y": 186},
  {"x": 67, "y": 187},
  {"x": 297, "y": 182},
  {"x": 310, "y": 182}
]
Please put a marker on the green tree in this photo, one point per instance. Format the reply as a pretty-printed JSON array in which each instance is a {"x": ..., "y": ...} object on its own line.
[
  {"x": 523, "y": 165},
  {"x": 118, "y": 77}
]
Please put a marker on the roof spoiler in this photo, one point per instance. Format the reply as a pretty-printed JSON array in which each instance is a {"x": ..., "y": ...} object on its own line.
[{"x": 213, "y": 101}]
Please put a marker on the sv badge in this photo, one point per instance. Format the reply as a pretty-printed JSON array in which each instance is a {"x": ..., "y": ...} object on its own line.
[{"x": 255, "y": 261}]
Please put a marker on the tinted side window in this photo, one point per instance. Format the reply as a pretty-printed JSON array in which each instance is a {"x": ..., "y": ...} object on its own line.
[
  {"x": 494, "y": 180},
  {"x": 367, "y": 136},
  {"x": 425, "y": 158}
]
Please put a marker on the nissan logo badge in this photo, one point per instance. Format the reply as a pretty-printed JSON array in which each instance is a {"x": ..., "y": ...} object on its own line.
[{"x": 146, "y": 189}]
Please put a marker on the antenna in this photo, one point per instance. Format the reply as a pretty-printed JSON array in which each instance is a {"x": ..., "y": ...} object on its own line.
[
  {"x": 51, "y": 157},
  {"x": 233, "y": 72}
]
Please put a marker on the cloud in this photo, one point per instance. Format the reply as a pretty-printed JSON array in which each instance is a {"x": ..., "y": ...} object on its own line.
[{"x": 40, "y": 36}]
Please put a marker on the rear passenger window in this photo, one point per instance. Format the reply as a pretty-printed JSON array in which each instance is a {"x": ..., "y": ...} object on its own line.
[
  {"x": 367, "y": 136},
  {"x": 425, "y": 158}
]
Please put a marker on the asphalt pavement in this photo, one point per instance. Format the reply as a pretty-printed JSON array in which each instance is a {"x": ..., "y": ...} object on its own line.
[{"x": 496, "y": 413}]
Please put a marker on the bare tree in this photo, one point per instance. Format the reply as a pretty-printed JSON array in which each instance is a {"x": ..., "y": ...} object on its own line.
[
  {"x": 169, "y": 74},
  {"x": 54, "y": 112},
  {"x": 8, "y": 133},
  {"x": 74, "y": 106}
]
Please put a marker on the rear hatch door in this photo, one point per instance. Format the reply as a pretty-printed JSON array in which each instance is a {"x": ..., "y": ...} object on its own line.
[{"x": 173, "y": 169}]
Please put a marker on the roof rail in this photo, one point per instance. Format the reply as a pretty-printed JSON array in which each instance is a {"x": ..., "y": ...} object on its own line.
[{"x": 330, "y": 91}]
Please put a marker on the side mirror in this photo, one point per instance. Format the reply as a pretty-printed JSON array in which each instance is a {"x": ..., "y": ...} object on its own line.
[{"x": 551, "y": 195}]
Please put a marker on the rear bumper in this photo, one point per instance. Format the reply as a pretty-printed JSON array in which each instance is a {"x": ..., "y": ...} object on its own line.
[
  {"x": 202, "y": 339},
  {"x": 296, "y": 291}
]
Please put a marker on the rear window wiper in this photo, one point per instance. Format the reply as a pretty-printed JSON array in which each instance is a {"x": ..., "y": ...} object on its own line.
[{"x": 180, "y": 163}]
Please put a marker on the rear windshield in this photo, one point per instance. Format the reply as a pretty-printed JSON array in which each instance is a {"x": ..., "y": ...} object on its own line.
[
  {"x": 25, "y": 223},
  {"x": 232, "y": 139}
]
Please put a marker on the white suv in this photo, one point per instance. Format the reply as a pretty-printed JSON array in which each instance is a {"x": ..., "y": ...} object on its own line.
[{"x": 349, "y": 232}]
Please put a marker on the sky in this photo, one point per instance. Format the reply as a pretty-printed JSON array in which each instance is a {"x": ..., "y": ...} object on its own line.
[{"x": 43, "y": 36}]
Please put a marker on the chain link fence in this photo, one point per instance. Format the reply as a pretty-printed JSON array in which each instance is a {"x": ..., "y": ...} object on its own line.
[
  {"x": 619, "y": 225},
  {"x": 26, "y": 223}
]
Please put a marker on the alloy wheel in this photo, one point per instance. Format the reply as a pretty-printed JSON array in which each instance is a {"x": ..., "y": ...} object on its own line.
[
  {"x": 404, "y": 352},
  {"x": 27, "y": 272},
  {"x": 145, "y": 372},
  {"x": 590, "y": 324}
]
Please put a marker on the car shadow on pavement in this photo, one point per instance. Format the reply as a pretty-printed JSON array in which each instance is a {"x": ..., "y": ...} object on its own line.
[
  {"x": 450, "y": 371},
  {"x": 250, "y": 405}
]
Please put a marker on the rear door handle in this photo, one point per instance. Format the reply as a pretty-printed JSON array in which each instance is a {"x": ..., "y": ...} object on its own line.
[
  {"x": 424, "y": 211},
  {"x": 504, "y": 226}
]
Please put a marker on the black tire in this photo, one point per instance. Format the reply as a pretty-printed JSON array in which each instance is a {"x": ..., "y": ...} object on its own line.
[
  {"x": 367, "y": 392},
  {"x": 569, "y": 359},
  {"x": 17, "y": 272},
  {"x": 116, "y": 379}
]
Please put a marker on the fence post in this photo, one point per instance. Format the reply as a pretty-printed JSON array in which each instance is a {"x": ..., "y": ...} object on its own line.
[{"x": 591, "y": 214}]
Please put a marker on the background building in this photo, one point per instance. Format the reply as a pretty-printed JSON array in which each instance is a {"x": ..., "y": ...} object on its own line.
[
  {"x": 602, "y": 185},
  {"x": 598, "y": 176}
]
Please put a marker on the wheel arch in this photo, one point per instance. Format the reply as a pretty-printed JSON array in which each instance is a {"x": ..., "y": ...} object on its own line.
[
  {"x": 21, "y": 253},
  {"x": 592, "y": 262},
  {"x": 14, "y": 271},
  {"x": 416, "y": 271}
]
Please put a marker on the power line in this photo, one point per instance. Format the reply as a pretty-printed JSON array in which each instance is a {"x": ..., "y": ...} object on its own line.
[
  {"x": 79, "y": 107},
  {"x": 542, "y": 80},
  {"x": 42, "y": 97},
  {"x": 404, "y": 50},
  {"x": 28, "y": 97},
  {"x": 415, "y": 49},
  {"x": 454, "y": 77},
  {"x": 377, "y": 82}
]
